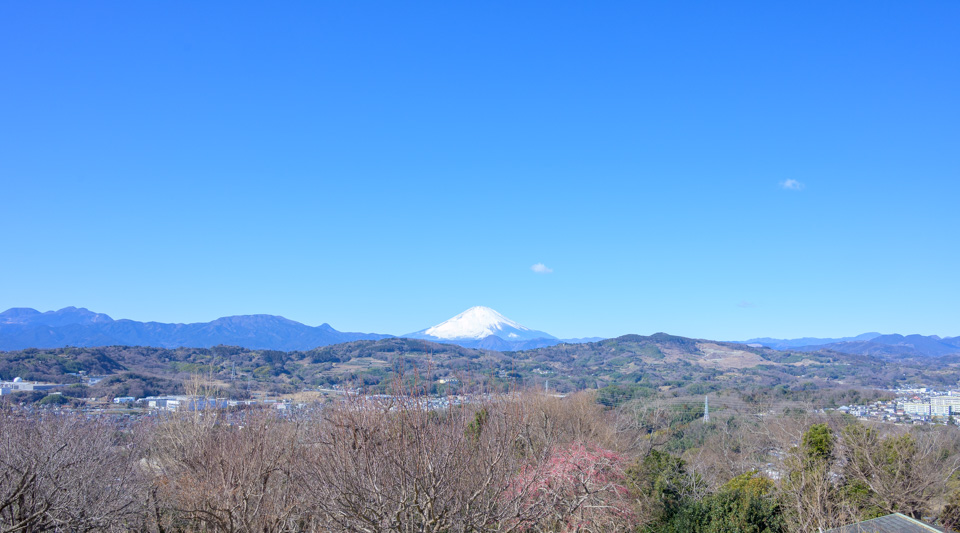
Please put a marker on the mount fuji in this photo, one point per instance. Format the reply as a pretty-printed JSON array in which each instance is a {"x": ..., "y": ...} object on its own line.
[{"x": 482, "y": 327}]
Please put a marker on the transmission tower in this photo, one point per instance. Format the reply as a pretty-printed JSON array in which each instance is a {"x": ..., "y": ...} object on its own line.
[{"x": 706, "y": 409}]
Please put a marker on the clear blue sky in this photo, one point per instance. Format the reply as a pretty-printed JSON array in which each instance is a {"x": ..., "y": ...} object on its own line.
[{"x": 715, "y": 169}]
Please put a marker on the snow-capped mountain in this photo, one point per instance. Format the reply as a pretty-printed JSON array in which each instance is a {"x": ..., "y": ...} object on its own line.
[
  {"x": 482, "y": 327},
  {"x": 479, "y": 322}
]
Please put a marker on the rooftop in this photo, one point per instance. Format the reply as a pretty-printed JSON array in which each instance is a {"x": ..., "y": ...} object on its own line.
[{"x": 892, "y": 523}]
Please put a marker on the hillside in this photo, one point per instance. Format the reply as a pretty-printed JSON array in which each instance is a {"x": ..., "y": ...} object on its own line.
[
  {"x": 659, "y": 364},
  {"x": 696, "y": 365}
]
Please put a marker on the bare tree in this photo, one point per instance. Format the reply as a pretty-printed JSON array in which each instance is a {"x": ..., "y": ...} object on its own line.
[
  {"x": 395, "y": 465},
  {"x": 227, "y": 475},
  {"x": 66, "y": 473},
  {"x": 904, "y": 471}
]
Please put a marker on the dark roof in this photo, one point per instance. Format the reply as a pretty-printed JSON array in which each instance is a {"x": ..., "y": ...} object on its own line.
[{"x": 892, "y": 523}]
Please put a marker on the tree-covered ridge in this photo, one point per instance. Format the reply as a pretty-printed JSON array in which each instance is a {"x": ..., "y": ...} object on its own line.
[{"x": 643, "y": 365}]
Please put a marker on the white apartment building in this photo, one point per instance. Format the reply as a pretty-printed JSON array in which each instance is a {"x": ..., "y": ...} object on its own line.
[
  {"x": 916, "y": 408},
  {"x": 945, "y": 405}
]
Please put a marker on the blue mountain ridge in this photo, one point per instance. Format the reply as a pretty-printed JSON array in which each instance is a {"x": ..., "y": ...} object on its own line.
[
  {"x": 875, "y": 344},
  {"x": 22, "y": 328},
  {"x": 786, "y": 344}
]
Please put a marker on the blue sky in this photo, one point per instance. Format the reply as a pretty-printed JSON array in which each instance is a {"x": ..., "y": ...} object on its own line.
[{"x": 717, "y": 170}]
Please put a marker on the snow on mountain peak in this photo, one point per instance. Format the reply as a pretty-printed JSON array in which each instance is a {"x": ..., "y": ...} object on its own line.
[{"x": 475, "y": 323}]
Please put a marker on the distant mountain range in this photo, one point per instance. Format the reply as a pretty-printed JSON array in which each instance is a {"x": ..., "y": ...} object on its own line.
[
  {"x": 21, "y": 328},
  {"x": 28, "y": 328},
  {"x": 874, "y": 344},
  {"x": 478, "y": 327},
  {"x": 789, "y": 344}
]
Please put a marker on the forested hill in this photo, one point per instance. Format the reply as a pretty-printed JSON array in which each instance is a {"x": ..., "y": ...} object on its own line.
[
  {"x": 700, "y": 365},
  {"x": 659, "y": 363}
]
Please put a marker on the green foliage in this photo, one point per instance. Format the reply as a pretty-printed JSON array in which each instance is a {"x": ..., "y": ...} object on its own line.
[
  {"x": 750, "y": 483},
  {"x": 745, "y": 504},
  {"x": 898, "y": 451},
  {"x": 685, "y": 413},
  {"x": 194, "y": 368},
  {"x": 662, "y": 478},
  {"x": 818, "y": 443},
  {"x": 475, "y": 427},
  {"x": 652, "y": 351},
  {"x": 726, "y": 511},
  {"x": 858, "y": 495},
  {"x": 54, "y": 399},
  {"x": 616, "y": 395}
]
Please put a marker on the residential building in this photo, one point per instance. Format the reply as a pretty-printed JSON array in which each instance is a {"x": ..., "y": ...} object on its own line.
[{"x": 916, "y": 408}]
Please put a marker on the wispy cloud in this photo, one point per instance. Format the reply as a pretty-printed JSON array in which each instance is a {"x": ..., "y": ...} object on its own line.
[
  {"x": 746, "y": 304},
  {"x": 792, "y": 185},
  {"x": 541, "y": 268}
]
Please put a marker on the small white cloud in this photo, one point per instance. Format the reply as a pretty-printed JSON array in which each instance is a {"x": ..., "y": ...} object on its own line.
[
  {"x": 541, "y": 268},
  {"x": 792, "y": 185}
]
